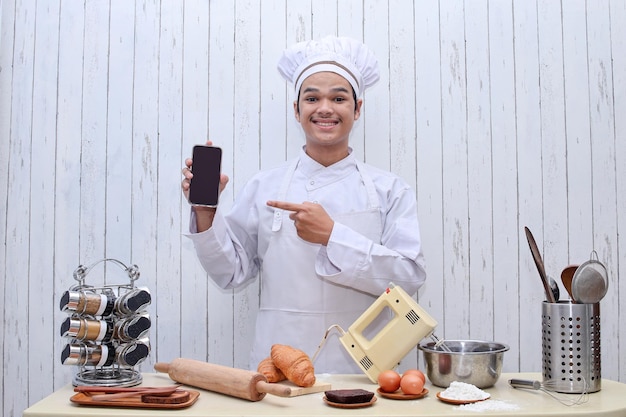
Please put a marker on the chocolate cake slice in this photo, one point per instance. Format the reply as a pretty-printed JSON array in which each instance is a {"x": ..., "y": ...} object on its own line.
[{"x": 349, "y": 396}]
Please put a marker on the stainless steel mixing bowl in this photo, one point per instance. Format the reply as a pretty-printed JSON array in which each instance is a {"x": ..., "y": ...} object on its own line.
[{"x": 471, "y": 361}]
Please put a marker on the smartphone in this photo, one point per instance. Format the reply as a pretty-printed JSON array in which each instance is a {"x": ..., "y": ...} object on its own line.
[{"x": 204, "y": 188}]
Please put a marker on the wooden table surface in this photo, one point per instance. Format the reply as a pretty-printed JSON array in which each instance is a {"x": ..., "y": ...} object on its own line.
[{"x": 505, "y": 400}]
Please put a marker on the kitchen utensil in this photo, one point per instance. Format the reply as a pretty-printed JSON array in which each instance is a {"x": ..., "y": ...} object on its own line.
[
  {"x": 159, "y": 392},
  {"x": 590, "y": 281},
  {"x": 177, "y": 397},
  {"x": 177, "y": 400},
  {"x": 235, "y": 382},
  {"x": 385, "y": 333},
  {"x": 548, "y": 387},
  {"x": 570, "y": 346},
  {"x": 539, "y": 263},
  {"x": 112, "y": 390},
  {"x": 566, "y": 278},
  {"x": 474, "y": 362},
  {"x": 554, "y": 287}
]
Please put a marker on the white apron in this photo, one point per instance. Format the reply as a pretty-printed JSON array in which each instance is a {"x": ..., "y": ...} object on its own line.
[{"x": 297, "y": 305}]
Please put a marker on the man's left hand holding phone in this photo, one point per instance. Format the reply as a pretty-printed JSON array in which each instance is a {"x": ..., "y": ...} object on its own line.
[{"x": 203, "y": 182}]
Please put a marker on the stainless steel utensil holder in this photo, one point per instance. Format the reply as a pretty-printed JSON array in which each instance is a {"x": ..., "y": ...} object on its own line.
[
  {"x": 571, "y": 347},
  {"x": 107, "y": 329}
]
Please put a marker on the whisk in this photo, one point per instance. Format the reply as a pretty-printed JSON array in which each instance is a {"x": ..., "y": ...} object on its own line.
[{"x": 552, "y": 386}]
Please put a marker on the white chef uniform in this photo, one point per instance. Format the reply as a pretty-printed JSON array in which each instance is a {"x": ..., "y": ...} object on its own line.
[{"x": 307, "y": 287}]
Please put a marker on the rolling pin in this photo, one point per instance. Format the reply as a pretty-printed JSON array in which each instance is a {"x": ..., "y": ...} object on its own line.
[{"x": 235, "y": 382}]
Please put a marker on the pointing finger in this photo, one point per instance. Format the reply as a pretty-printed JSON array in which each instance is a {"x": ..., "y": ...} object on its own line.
[{"x": 285, "y": 205}]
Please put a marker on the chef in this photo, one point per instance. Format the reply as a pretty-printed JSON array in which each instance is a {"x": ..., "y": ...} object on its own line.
[{"x": 324, "y": 233}]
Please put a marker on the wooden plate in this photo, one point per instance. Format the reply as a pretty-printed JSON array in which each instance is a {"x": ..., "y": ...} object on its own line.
[
  {"x": 355, "y": 405},
  {"x": 399, "y": 395},
  {"x": 458, "y": 402},
  {"x": 85, "y": 398}
]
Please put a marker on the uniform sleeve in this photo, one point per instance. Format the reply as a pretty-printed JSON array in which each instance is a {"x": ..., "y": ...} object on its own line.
[
  {"x": 353, "y": 260},
  {"x": 227, "y": 251}
]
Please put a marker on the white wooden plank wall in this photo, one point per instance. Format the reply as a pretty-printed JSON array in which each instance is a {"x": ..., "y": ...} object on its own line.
[{"x": 502, "y": 114}]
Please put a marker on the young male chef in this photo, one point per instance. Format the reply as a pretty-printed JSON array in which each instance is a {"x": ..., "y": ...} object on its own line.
[{"x": 324, "y": 233}]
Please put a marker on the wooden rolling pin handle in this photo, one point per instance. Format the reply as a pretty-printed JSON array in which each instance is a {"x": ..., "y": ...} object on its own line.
[
  {"x": 274, "y": 389},
  {"x": 230, "y": 381},
  {"x": 162, "y": 367}
]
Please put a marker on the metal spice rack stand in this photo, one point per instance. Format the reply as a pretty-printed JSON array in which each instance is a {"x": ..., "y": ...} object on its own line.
[{"x": 107, "y": 327}]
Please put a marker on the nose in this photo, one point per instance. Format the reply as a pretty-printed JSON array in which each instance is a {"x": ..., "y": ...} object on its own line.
[{"x": 325, "y": 106}]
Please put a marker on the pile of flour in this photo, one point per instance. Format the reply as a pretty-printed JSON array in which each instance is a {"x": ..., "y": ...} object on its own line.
[
  {"x": 463, "y": 391},
  {"x": 491, "y": 405}
]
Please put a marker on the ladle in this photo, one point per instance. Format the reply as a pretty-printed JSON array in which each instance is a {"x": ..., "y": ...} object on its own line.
[
  {"x": 566, "y": 278},
  {"x": 539, "y": 262},
  {"x": 555, "y": 289}
]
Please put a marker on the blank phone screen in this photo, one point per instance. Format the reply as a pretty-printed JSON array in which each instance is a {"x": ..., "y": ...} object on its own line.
[{"x": 205, "y": 184}]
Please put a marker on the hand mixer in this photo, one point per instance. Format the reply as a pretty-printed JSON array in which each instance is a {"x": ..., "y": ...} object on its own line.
[{"x": 408, "y": 325}]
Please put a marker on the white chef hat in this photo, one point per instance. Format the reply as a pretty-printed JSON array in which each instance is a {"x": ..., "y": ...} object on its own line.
[{"x": 344, "y": 56}]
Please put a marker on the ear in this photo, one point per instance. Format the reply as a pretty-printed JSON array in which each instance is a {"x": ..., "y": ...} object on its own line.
[
  {"x": 296, "y": 113},
  {"x": 357, "y": 110}
]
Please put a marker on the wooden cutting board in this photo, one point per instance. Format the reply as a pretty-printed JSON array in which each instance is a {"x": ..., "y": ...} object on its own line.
[{"x": 296, "y": 390}]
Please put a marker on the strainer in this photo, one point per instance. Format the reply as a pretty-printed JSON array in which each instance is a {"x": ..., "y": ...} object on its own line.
[{"x": 590, "y": 281}]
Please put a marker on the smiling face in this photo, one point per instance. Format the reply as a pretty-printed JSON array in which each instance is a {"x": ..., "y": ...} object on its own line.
[{"x": 327, "y": 111}]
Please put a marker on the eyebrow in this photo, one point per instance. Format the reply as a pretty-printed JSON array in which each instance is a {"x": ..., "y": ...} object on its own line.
[{"x": 335, "y": 89}]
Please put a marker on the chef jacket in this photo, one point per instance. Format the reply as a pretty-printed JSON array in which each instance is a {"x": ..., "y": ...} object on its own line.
[{"x": 306, "y": 288}]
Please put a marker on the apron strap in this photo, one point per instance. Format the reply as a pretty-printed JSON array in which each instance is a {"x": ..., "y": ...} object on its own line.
[
  {"x": 282, "y": 193},
  {"x": 372, "y": 197}
]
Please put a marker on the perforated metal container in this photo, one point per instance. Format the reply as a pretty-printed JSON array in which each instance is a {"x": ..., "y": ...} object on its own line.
[{"x": 571, "y": 347}]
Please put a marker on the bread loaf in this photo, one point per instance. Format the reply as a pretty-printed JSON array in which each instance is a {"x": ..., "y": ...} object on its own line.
[
  {"x": 294, "y": 364},
  {"x": 270, "y": 371}
]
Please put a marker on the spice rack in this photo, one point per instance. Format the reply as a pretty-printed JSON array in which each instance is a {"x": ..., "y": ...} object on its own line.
[{"x": 107, "y": 327}]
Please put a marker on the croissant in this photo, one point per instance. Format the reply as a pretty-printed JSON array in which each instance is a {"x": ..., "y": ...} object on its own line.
[
  {"x": 295, "y": 364},
  {"x": 270, "y": 371}
]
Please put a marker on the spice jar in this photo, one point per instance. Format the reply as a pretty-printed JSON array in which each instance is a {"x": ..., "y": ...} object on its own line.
[
  {"x": 133, "y": 353},
  {"x": 87, "y": 329},
  {"x": 133, "y": 301},
  {"x": 88, "y": 354},
  {"x": 85, "y": 302},
  {"x": 132, "y": 327}
]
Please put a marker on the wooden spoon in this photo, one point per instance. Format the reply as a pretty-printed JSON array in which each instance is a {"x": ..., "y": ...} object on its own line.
[
  {"x": 566, "y": 279},
  {"x": 112, "y": 390},
  {"x": 160, "y": 392},
  {"x": 539, "y": 263}
]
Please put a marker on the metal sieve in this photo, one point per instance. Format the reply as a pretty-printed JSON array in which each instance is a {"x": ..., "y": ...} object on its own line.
[{"x": 590, "y": 281}]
